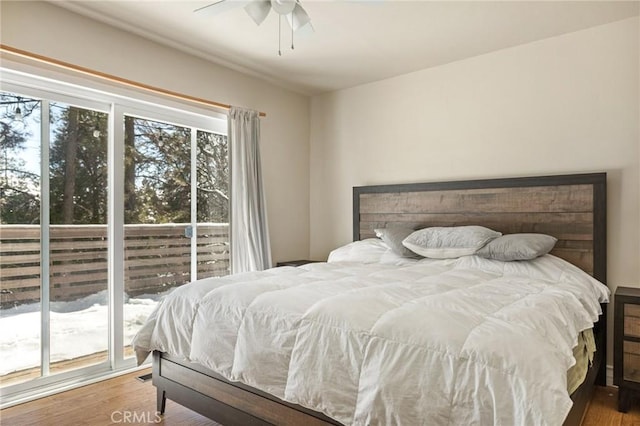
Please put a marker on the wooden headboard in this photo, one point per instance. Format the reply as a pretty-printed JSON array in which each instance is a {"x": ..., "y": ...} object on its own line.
[{"x": 572, "y": 208}]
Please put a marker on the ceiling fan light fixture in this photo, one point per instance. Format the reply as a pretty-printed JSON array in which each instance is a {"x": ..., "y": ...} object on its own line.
[
  {"x": 258, "y": 10},
  {"x": 283, "y": 7}
]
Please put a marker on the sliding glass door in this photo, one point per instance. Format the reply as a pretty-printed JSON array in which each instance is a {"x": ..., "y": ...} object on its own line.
[
  {"x": 157, "y": 216},
  {"x": 77, "y": 238},
  {"x": 104, "y": 208},
  {"x": 20, "y": 239},
  {"x": 53, "y": 311},
  {"x": 176, "y": 212}
]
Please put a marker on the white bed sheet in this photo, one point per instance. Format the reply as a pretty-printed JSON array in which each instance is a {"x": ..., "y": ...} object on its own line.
[{"x": 374, "y": 339}]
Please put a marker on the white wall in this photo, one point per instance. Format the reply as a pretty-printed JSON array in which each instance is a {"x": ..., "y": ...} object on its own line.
[
  {"x": 55, "y": 32},
  {"x": 566, "y": 104},
  {"x": 562, "y": 105}
]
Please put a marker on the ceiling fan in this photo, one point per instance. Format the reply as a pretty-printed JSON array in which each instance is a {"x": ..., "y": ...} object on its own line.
[{"x": 258, "y": 10}]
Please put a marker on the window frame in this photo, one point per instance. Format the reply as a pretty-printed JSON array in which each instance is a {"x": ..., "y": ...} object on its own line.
[{"x": 117, "y": 102}]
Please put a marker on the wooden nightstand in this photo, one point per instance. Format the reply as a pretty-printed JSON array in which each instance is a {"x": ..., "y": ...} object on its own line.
[
  {"x": 626, "y": 345},
  {"x": 296, "y": 262}
]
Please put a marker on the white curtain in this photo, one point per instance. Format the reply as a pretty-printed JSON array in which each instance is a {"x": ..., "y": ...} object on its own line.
[{"x": 250, "y": 250}]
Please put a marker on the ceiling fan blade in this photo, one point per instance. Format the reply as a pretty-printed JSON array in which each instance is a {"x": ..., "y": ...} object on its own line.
[
  {"x": 299, "y": 18},
  {"x": 283, "y": 7},
  {"x": 258, "y": 10},
  {"x": 305, "y": 30},
  {"x": 219, "y": 7}
]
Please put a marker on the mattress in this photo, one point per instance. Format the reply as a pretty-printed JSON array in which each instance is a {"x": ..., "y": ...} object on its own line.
[{"x": 373, "y": 338}]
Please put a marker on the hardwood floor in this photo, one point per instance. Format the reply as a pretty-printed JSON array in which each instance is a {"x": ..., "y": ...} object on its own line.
[
  {"x": 603, "y": 410},
  {"x": 125, "y": 400}
]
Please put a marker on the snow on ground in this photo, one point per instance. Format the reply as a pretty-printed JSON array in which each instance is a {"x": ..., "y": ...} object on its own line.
[{"x": 78, "y": 328}]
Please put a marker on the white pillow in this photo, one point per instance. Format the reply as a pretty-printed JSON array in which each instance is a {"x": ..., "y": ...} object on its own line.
[
  {"x": 449, "y": 242},
  {"x": 518, "y": 247}
]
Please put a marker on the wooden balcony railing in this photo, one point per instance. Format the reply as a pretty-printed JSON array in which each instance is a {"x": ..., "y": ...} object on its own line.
[{"x": 156, "y": 258}]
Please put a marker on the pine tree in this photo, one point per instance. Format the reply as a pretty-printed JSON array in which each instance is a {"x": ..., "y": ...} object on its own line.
[
  {"x": 78, "y": 166},
  {"x": 19, "y": 183}
]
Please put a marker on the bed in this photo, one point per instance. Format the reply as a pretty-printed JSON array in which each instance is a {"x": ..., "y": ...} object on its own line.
[{"x": 572, "y": 208}]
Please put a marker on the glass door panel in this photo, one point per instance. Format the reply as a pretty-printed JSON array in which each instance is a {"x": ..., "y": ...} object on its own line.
[
  {"x": 20, "y": 172},
  {"x": 212, "y": 204},
  {"x": 78, "y": 281},
  {"x": 157, "y": 216}
]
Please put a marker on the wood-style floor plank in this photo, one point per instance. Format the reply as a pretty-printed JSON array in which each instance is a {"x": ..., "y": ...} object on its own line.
[
  {"x": 107, "y": 402},
  {"x": 603, "y": 410},
  {"x": 103, "y": 403}
]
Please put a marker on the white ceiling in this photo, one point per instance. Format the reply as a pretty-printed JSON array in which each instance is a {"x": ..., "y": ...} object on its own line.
[{"x": 355, "y": 42}]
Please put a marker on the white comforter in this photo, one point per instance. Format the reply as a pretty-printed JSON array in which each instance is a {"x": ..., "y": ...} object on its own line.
[{"x": 392, "y": 342}]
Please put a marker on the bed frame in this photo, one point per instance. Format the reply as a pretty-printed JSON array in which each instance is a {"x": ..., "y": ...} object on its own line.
[{"x": 570, "y": 207}]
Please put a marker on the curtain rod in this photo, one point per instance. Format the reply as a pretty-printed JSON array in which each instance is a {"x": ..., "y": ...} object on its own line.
[{"x": 112, "y": 78}]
